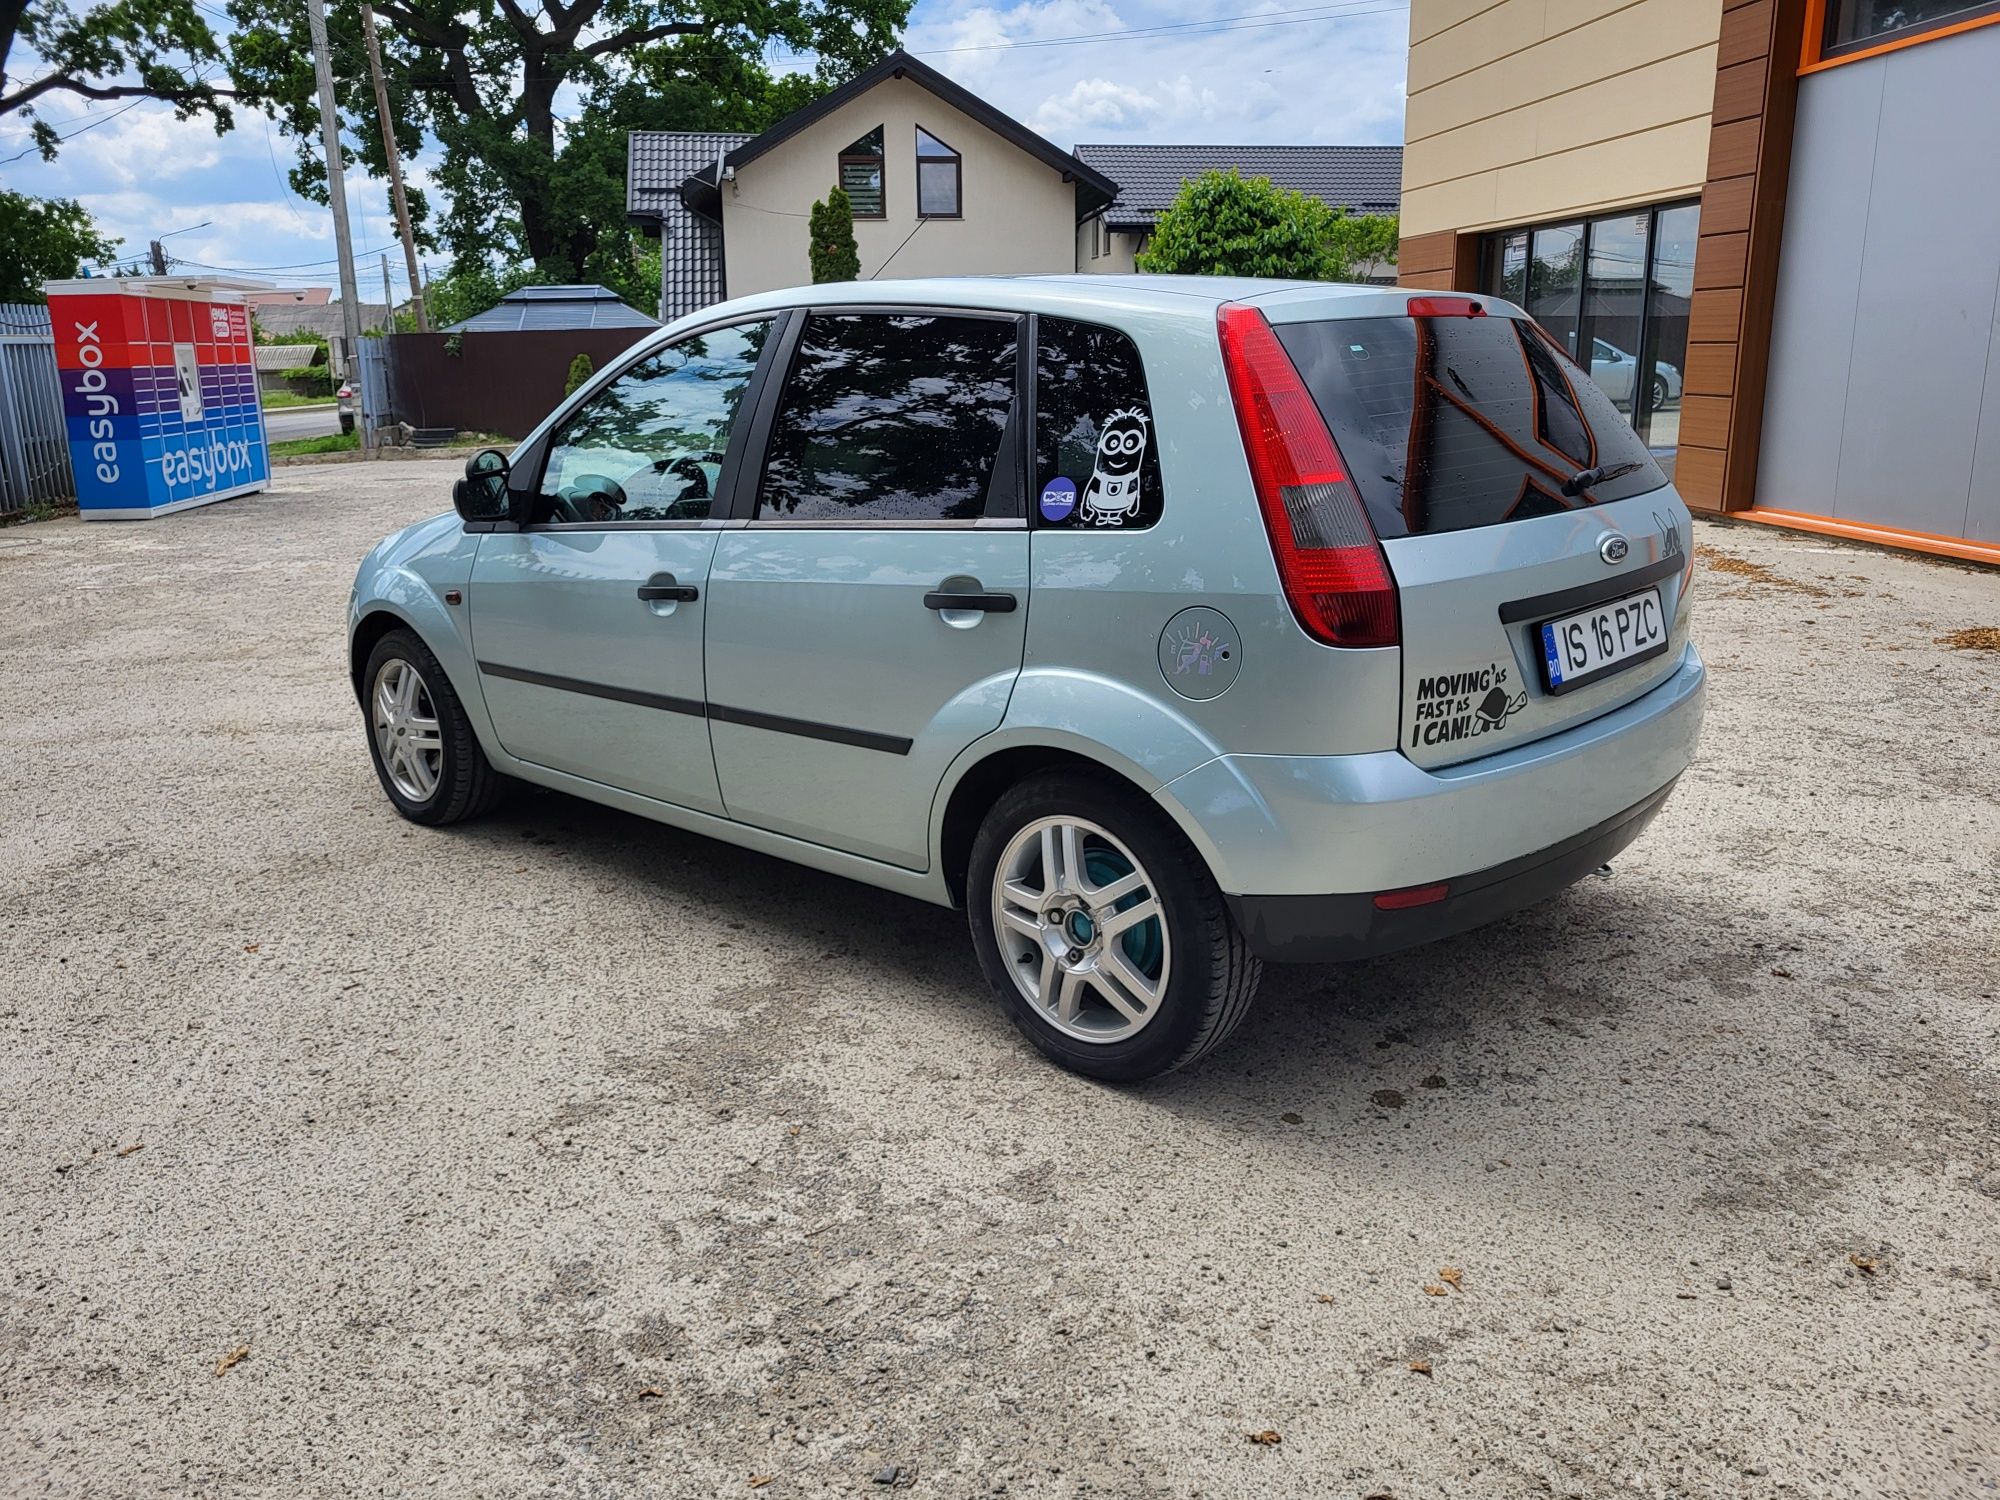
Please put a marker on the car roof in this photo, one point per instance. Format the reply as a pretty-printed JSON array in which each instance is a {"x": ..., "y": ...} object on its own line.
[{"x": 1116, "y": 299}]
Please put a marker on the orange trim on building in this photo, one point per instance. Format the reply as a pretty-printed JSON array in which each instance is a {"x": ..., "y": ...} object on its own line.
[
  {"x": 1882, "y": 536},
  {"x": 1810, "y": 60}
]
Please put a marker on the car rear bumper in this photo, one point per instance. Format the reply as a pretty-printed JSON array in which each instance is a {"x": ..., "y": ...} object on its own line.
[
  {"x": 1280, "y": 828},
  {"x": 1338, "y": 928}
]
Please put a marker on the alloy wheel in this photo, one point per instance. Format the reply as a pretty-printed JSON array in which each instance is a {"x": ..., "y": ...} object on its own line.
[
  {"x": 406, "y": 730},
  {"x": 1081, "y": 929}
]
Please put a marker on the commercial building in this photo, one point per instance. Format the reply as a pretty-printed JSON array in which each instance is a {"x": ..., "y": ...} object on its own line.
[{"x": 1769, "y": 228}]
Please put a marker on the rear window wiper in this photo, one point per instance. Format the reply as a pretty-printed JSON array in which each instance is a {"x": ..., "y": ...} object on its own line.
[{"x": 1583, "y": 479}]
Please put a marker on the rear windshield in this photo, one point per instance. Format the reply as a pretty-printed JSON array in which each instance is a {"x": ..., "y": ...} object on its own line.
[{"x": 1449, "y": 423}]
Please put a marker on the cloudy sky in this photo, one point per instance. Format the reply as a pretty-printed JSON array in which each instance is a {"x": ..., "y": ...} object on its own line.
[{"x": 1227, "y": 71}]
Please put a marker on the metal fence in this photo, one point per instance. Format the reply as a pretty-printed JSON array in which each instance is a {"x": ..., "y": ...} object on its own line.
[{"x": 34, "y": 442}]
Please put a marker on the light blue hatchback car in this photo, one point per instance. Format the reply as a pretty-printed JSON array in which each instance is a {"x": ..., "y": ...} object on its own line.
[{"x": 1168, "y": 625}]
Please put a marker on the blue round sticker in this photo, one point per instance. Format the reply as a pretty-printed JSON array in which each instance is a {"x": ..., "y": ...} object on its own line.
[{"x": 1058, "y": 499}]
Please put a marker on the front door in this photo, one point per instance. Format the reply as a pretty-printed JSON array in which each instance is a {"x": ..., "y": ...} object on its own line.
[
  {"x": 588, "y": 623},
  {"x": 867, "y": 624}
]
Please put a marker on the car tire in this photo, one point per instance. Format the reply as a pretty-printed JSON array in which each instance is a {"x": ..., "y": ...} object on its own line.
[
  {"x": 429, "y": 762},
  {"x": 1659, "y": 392},
  {"x": 1168, "y": 949}
]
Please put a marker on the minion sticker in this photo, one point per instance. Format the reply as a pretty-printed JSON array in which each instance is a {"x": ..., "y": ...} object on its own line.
[{"x": 1111, "y": 498}]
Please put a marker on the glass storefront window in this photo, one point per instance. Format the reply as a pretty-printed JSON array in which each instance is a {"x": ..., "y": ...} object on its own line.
[
  {"x": 1555, "y": 281},
  {"x": 1614, "y": 294},
  {"x": 1615, "y": 307},
  {"x": 1669, "y": 296},
  {"x": 1854, "y": 25}
]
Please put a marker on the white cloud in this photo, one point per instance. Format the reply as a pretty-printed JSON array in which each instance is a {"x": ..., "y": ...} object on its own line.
[{"x": 1092, "y": 103}]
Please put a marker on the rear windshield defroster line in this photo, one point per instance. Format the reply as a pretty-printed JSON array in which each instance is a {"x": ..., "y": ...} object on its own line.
[{"x": 1448, "y": 423}]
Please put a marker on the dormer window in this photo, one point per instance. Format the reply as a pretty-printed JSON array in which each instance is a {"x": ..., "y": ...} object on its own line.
[
  {"x": 940, "y": 178},
  {"x": 861, "y": 175}
]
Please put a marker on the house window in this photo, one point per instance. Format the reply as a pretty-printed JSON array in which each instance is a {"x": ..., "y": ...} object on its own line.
[
  {"x": 1861, "y": 26},
  {"x": 861, "y": 175},
  {"x": 940, "y": 178}
]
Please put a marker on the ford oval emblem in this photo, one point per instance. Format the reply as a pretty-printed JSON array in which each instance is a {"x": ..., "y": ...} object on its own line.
[{"x": 1614, "y": 548}]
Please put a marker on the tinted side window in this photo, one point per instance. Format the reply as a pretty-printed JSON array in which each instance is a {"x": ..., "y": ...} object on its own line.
[
  {"x": 1096, "y": 460},
  {"x": 891, "y": 418},
  {"x": 649, "y": 446}
]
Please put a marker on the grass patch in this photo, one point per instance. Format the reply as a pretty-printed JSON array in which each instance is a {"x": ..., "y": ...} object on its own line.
[
  {"x": 274, "y": 399},
  {"x": 338, "y": 442}
]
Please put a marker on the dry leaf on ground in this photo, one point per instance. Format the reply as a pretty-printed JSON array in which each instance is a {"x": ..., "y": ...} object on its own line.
[
  {"x": 1978, "y": 638},
  {"x": 1433, "y": 1290},
  {"x": 1323, "y": 1296},
  {"x": 251, "y": 947},
  {"x": 758, "y": 1481},
  {"x": 1268, "y": 1438},
  {"x": 135, "y": 1146},
  {"x": 1453, "y": 1275},
  {"x": 231, "y": 1360},
  {"x": 1421, "y": 1366},
  {"x": 652, "y": 1393},
  {"x": 1865, "y": 1264}
]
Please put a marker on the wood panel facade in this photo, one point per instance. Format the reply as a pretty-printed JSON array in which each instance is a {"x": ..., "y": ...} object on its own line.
[{"x": 1736, "y": 261}]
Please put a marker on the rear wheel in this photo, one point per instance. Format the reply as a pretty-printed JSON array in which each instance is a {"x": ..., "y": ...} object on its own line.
[
  {"x": 1102, "y": 931},
  {"x": 1659, "y": 392},
  {"x": 426, "y": 755}
]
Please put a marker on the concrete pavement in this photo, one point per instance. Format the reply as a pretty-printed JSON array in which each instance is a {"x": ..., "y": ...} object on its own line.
[{"x": 564, "y": 1154}]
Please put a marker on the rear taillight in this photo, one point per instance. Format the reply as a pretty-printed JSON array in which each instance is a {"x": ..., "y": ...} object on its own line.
[{"x": 1334, "y": 574}]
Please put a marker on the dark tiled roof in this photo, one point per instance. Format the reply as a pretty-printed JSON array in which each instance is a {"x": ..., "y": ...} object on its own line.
[
  {"x": 657, "y": 162},
  {"x": 1364, "y": 179},
  {"x": 545, "y": 307},
  {"x": 325, "y": 319}
]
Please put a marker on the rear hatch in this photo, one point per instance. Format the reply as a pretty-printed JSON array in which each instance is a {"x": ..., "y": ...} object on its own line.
[{"x": 1510, "y": 496}]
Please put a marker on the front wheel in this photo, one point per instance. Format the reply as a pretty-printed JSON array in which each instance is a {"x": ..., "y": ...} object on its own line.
[
  {"x": 1102, "y": 931},
  {"x": 425, "y": 752},
  {"x": 1659, "y": 392}
]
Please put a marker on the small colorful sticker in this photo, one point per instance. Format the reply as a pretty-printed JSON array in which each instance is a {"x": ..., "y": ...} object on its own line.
[{"x": 1058, "y": 499}]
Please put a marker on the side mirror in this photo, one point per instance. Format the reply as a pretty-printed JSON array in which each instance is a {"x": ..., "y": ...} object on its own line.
[{"x": 482, "y": 494}]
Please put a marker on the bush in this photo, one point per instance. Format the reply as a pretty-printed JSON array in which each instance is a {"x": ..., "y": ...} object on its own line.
[
  {"x": 1226, "y": 224},
  {"x": 834, "y": 253},
  {"x": 309, "y": 380},
  {"x": 580, "y": 371}
]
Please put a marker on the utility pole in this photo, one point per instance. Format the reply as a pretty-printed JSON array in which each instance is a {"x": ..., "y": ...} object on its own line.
[
  {"x": 388, "y": 298},
  {"x": 402, "y": 202},
  {"x": 336, "y": 192},
  {"x": 159, "y": 258}
]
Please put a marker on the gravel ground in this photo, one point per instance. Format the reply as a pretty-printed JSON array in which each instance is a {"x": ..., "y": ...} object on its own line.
[{"x": 566, "y": 1154}]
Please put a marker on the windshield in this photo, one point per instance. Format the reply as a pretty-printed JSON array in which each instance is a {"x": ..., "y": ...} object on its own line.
[{"x": 1453, "y": 422}]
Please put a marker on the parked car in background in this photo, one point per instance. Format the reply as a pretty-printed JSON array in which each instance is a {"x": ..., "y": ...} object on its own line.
[
  {"x": 1616, "y": 373},
  {"x": 1167, "y": 625},
  {"x": 344, "y": 405}
]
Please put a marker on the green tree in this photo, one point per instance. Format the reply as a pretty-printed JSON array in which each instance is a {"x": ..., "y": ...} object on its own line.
[
  {"x": 1226, "y": 224},
  {"x": 835, "y": 255},
  {"x": 122, "y": 49},
  {"x": 478, "y": 86},
  {"x": 44, "y": 239},
  {"x": 1359, "y": 239},
  {"x": 580, "y": 371}
]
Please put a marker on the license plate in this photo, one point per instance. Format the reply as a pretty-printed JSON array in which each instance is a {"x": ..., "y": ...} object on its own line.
[{"x": 1603, "y": 639}]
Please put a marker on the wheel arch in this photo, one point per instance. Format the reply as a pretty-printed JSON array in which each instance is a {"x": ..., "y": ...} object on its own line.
[{"x": 985, "y": 780}]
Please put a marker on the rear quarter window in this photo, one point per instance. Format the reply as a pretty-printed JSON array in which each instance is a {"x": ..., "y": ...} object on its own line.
[
  {"x": 1097, "y": 461},
  {"x": 1448, "y": 423}
]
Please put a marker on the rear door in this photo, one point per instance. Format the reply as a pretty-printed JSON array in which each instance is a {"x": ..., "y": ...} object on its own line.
[
  {"x": 867, "y": 623},
  {"x": 1510, "y": 496},
  {"x": 588, "y": 622}
]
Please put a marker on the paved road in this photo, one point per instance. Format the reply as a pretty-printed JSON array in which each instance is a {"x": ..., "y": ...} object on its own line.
[
  {"x": 281, "y": 424},
  {"x": 567, "y": 1155}
]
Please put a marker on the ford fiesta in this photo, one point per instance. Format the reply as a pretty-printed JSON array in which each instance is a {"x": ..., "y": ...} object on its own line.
[{"x": 1167, "y": 625}]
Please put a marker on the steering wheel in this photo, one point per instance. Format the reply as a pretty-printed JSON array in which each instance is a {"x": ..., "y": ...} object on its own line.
[{"x": 590, "y": 497}]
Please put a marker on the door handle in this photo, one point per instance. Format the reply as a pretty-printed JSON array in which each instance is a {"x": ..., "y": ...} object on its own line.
[
  {"x": 992, "y": 604},
  {"x": 662, "y": 586}
]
